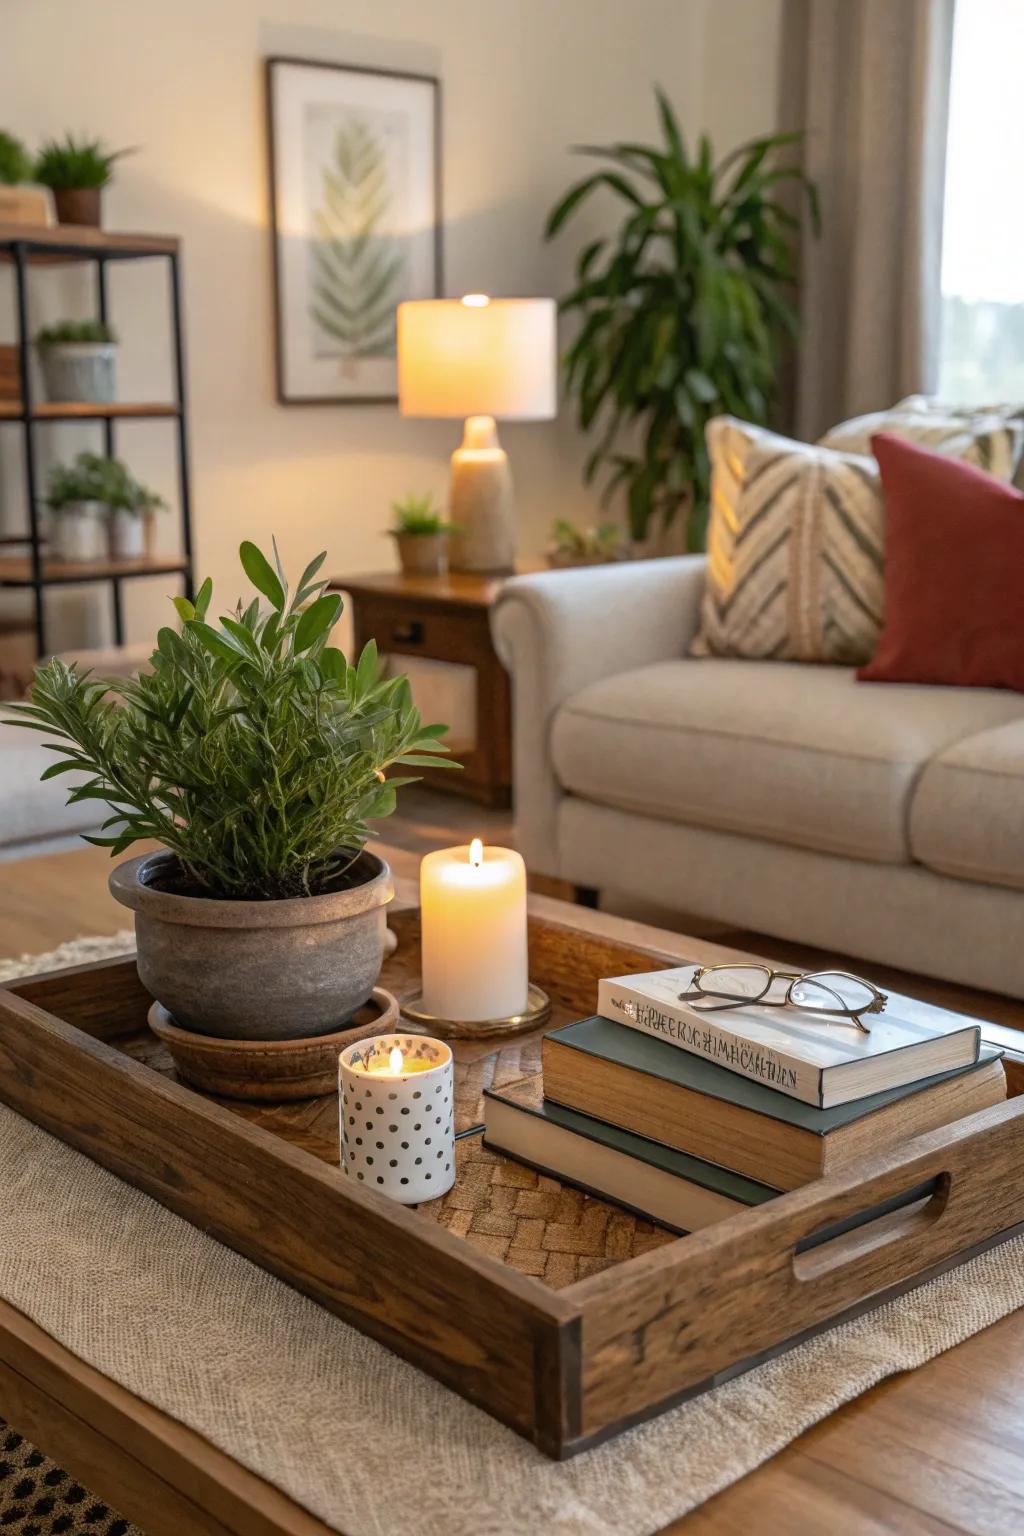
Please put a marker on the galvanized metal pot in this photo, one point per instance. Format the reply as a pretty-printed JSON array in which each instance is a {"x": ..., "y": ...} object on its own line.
[
  {"x": 257, "y": 970},
  {"x": 79, "y": 370}
]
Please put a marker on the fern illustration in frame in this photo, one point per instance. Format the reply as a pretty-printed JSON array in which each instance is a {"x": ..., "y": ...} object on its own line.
[{"x": 356, "y": 210}]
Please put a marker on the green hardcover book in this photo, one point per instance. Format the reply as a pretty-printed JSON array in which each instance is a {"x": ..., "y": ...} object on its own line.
[
  {"x": 651, "y": 1088},
  {"x": 666, "y": 1186}
]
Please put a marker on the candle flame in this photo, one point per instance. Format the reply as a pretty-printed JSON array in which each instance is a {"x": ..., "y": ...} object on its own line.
[
  {"x": 476, "y": 853},
  {"x": 396, "y": 1061}
]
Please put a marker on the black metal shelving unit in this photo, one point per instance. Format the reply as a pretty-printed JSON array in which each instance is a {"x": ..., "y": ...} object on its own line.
[{"x": 26, "y": 247}]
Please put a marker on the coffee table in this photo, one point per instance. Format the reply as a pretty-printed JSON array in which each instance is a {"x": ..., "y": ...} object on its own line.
[{"x": 932, "y": 1451}]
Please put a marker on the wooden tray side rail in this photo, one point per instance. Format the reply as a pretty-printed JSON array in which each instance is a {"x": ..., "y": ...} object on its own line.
[
  {"x": 654, "y": 1328},
  {"x": 502, "y": 1339}
]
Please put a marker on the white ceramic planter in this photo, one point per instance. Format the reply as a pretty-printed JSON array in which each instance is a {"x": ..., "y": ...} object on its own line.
[
  {"x": 78, "y": 532},
  {"x": 127, "y": 535},
  {"x": 80, "y": 370}
]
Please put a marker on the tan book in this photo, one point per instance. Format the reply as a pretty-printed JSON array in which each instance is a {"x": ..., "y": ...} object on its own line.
[
  {"x": 650, "y": 1088},
  {"x": 645, "y": 1176}
]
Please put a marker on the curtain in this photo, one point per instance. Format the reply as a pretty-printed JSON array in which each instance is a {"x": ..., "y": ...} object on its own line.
[{"x": 868, "y": 81}]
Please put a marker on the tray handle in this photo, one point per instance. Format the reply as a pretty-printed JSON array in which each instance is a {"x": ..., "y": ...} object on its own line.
[
  {"x": 677, "y": 1317},
  {"x": 873, "y": 1229},
  {"x": 935, "y": 1194}
]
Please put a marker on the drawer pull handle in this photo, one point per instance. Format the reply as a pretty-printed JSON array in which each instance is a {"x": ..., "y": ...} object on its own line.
[{"x": 408, "y": 634}]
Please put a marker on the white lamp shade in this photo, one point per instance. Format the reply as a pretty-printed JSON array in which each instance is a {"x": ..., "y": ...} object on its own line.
[{"x": 493, "y": 357}]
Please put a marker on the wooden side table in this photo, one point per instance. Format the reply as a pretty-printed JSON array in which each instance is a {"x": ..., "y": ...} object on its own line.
[{"x": 446, "y": 618}]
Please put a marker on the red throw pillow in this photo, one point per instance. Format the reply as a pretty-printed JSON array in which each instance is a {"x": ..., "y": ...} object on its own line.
[{"x": 954, "y": 573}]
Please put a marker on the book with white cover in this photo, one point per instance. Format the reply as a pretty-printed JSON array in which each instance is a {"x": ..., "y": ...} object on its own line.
[{"x": 792, "y": 1050}]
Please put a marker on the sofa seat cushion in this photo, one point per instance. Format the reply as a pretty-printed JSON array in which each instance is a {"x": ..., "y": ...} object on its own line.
[
  {"x": 967, "y": 816},
  {"x": 29, "y": 809},
  {"x": 793, "y": 753}
]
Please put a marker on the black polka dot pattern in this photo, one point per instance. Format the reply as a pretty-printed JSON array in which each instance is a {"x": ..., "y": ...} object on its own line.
[
  {"x": 409, "y": 1155},
  {"x": 38, "y": 1498}
]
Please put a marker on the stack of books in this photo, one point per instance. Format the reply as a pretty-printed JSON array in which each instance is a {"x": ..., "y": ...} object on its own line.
[{"x": 686, "y": 1115}]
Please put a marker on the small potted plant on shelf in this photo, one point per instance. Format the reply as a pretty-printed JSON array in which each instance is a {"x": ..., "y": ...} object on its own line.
[
  {"x": 78, "y": 359},
  {"x": 79, "y": 512},
  {"x": 20, "y": 203},
  {"x": 584, "y": 546},
  {"x": 132, "y": 510},
  {"x": 100, "y": 509},
  {"x": 421, "y": 534},
  {"x": 76, "y": 171},
  {"x": 257, "y": 755}
]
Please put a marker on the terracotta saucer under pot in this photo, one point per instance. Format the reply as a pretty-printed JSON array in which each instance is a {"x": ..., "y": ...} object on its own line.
[{"x": 269, "y": 1069}]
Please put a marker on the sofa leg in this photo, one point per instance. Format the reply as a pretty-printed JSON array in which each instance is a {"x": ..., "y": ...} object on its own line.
[{"x": 586, "y": 896}]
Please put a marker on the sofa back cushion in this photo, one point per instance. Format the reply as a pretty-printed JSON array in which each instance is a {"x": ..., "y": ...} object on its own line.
[{"x": 990, "y": 437}]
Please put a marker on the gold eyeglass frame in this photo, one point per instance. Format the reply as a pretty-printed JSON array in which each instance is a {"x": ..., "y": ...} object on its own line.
[{"x": 695, "y": 994}]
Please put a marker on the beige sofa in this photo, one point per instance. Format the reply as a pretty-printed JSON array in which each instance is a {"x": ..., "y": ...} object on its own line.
[
  {"x": 882, "y": 820},
  {"x": 34, "y": 817}
]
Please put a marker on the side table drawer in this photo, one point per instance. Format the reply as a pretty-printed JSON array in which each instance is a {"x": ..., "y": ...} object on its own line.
[{"x": 413, "y": 629}]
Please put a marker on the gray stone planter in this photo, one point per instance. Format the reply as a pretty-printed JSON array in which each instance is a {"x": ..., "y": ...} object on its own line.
[{"x": 257, "y": 970}]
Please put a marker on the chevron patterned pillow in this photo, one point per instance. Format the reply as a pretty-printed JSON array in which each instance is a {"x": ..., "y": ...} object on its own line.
[{"x": 794, "y": 549}]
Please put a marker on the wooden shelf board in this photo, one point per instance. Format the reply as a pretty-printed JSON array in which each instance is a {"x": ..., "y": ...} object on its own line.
[
  {"x": 16, "y": 570},
  {"x": 77, "y": 242},
  {"x": 84, "y": 410}
]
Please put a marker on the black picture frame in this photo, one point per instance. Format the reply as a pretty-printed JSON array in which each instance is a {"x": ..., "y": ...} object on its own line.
[{"x": 277, "y": 62}]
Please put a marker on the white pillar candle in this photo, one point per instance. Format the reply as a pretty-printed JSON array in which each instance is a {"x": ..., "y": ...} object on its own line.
[
  {"x": 473, "y": 915},
  {"x": 396, "y": 1109}
]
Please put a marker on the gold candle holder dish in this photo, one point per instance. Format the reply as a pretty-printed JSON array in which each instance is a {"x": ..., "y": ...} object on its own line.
[{"x": 538, "y": 1008}]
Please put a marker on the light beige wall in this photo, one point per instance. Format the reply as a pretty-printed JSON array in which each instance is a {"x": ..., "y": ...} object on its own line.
[{"x": 522, "y": 80}]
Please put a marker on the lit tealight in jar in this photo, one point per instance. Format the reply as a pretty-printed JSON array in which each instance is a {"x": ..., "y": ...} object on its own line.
[{"x": 396, "y": 1105}]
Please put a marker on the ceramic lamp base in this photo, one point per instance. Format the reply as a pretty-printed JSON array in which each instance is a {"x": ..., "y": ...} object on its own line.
[
  {"x": 482, "y": 503},
  {"x": 538, "y": 1007}
]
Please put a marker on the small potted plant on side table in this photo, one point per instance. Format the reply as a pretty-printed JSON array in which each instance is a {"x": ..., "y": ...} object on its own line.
[
  {"x": 257, "y": 755},
  {"x": 421, "y": 534},
  {"x": 78, "y": 360},
  {"x": 584, "y": 546},
  {"x": 76, "y": 171},
  {"x": 79, "y": 512}
]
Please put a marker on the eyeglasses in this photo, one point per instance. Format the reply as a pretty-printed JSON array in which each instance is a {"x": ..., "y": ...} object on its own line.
[{"x": 837, "y": 993}]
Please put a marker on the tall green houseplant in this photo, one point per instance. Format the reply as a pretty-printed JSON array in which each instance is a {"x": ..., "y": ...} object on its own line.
[{"x": 683, "y": 310}]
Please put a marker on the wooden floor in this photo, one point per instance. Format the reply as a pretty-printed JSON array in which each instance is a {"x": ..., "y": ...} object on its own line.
[{"x": 939, "y": 1450}]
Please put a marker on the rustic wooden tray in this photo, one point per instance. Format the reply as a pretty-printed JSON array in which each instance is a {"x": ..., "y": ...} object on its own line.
[{"x": 565, "y": 1317}]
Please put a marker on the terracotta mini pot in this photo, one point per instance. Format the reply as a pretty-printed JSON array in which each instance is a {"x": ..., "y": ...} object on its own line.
[
  {"x": 77, "y": 205},
  {"x": 423, "y": 554},
  {"x": 257, "y": 970}
]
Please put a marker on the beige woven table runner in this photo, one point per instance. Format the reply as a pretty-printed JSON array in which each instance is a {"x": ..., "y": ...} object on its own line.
[
  {"x": 364, "y": 1440},
  {"x": 356, "y": 1435}
]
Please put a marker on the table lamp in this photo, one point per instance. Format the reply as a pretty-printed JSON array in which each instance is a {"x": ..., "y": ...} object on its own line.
[{"x": 479, "y": 358}]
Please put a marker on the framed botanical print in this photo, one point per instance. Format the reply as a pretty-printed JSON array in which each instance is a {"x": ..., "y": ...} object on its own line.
[{"x": 356, "y": 211}]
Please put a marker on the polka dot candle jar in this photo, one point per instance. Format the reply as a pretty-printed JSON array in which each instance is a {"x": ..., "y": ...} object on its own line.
[{"x": 396, "y": 1104}]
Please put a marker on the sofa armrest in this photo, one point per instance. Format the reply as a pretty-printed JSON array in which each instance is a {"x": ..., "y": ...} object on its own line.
[{"x": 560, "y": 630}]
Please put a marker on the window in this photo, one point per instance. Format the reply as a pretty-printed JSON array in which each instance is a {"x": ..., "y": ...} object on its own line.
[{"x": 982, "y": 337}]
